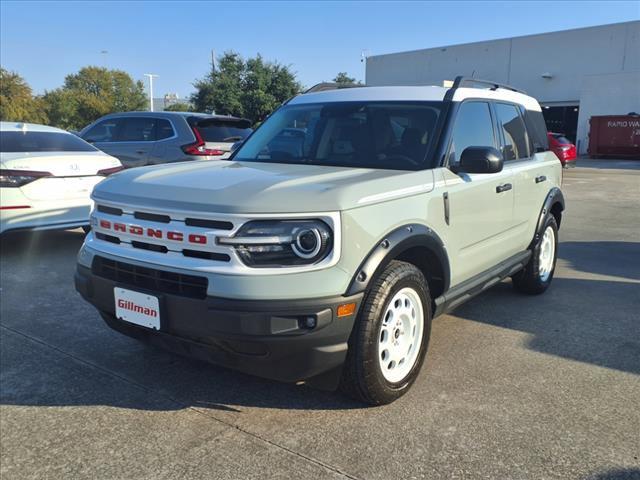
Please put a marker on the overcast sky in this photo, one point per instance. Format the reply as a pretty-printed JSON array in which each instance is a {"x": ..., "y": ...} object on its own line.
[{"x": 44, "y": 41}]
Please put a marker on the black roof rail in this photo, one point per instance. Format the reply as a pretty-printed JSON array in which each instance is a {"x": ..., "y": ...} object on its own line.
[
  {"x": 461, "y": 81},
  {"x": 321, "y": 87}
]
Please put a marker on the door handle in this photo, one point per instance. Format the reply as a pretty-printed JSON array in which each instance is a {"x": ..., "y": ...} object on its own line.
[
  {"x": 541, "y": 178},
  {"x": 141, "y": 152},
  {"x": 504, "y": 187}
]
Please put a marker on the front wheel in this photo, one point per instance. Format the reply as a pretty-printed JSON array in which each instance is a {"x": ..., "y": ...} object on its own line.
[
  {"x": 537, "y": 275},
  {"x": 389, "y": 341}
]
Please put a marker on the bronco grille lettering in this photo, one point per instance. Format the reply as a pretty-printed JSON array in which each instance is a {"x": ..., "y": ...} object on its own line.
[{"x": 151, "y": 232}]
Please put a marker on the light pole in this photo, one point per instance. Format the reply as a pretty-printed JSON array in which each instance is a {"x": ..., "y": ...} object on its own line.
[{"x": 150, "y": 76}]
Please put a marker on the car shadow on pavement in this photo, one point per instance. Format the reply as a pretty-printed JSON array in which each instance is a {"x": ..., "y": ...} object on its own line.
[
  {"x": 588, "y": 321},
  {"x": 23, "y": 243},
  {"x": 616, "y": 474},
  {"x": 616, "y": 259}
]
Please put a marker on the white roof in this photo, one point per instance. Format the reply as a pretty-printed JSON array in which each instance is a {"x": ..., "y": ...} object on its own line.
[
  {"x": 357, "y": 94},
  {"x": 29, "y": 127},
  {"x": 413, "y": 93}
]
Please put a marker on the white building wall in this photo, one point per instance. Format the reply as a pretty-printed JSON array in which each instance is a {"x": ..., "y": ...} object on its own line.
[
  {"x": 609, "y": 94},
  {"x": 567, "y": 55}
]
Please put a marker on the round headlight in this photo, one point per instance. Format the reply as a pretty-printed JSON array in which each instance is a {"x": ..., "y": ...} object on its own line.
[{"x": 307, "y": 242}]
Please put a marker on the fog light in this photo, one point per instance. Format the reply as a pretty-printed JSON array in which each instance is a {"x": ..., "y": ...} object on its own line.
[{"x": 307, "y": 322}]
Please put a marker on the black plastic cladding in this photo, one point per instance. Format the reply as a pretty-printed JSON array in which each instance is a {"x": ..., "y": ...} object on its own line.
[{"x": 392, "y": 245}]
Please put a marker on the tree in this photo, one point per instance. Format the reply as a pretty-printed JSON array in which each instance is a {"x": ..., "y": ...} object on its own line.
[
  {"x": 92, "y": 93},
  {"x": 179, "y": 107},
  {"x": 342, "y": 79},
  {"x": 251, "y": 88},
  {"x": 17, "y": 103}
]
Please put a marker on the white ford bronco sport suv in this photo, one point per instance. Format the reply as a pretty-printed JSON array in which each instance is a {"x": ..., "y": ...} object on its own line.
[{"x": 324, "y": 248}]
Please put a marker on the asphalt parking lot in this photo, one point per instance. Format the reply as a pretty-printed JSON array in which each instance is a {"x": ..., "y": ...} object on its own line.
[{"x": 513, "y": 387}]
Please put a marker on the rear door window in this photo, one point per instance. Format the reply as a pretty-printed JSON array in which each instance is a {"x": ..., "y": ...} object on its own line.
[
  {"x": 222, "y": 130},
  {"x": 43, "y": 142},
  {"x": 104, "y": 131},
  {"x": 164, "y": 129},
  {"x": 473, "y": 128},
  {"x": 137, "y": 129},
  {"x": 515, "y": 140}
]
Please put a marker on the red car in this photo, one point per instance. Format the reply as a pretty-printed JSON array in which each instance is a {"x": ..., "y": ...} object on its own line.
[{"x": 563, "y": 148}]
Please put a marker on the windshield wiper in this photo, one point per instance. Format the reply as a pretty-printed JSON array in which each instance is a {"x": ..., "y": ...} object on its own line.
[{"x": 236, "y": 138}]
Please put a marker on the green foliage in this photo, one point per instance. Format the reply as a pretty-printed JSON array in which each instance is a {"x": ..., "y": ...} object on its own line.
[
  {"x": 251, "y": 89},
  {"x": 92, "y": 93},
  {"x": 17, "y": 103},
  {"x": 343, "y": 79},
  {"x": 179, "y": 107}
]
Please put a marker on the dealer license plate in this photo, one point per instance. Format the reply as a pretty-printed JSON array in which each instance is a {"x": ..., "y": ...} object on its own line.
[{"x": 138, "y": 308}]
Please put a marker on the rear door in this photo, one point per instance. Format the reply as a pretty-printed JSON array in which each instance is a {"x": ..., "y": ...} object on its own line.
[
  {"x": 221, "y": 133},
  {"x": 480, "y": 205},
  {"x": 130, "y": 139},
  {"x": 531, "y": 184}
]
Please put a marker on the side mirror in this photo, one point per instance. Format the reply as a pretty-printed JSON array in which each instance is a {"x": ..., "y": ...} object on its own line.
[{"x": 480, "y": 160}]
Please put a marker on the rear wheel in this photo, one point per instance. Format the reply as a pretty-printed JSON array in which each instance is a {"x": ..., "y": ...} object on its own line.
[
  {"x": 389, "y": 341},
  {"x": 537, "y": 275}
]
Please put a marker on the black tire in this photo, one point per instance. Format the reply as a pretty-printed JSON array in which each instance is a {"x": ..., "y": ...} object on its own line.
[
  {"x": 529, "y": 280},
  {"x": 362, "y": 376},
  {"x": 86, "y": 228}
]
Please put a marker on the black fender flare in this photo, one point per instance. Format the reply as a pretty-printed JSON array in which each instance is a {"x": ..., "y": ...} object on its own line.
[
  {"x": 554, "y": 196},
  {"x": 392, "y": 245}
]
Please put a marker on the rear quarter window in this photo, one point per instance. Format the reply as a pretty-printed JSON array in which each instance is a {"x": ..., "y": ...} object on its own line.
[
  {"x": 561, "y": 139},
  {"x": 222, "y": 130},
  {"x": 43, "y": 142}
]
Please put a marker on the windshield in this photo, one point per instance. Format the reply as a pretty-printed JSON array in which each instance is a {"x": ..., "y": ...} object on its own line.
[
  {"x": 42, "y": 142},
  {"x": 388, "y": 135}
]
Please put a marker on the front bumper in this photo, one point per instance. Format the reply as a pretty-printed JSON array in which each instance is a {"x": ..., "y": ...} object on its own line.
[{"x": 260, "y": 337}]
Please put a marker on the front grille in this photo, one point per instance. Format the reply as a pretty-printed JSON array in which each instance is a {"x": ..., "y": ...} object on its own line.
[
  {"x": 149, "y": 246},
  {"x": 217, "y": 224},
  {"x": 152, "y": 217},
  {"x": 163, "y": 234},
  {"x": 150, "y": 279},
  {"x": 109, "y": 210},
  {"x": 107, "y": 238},
  {"x": 218, "y": 257}
]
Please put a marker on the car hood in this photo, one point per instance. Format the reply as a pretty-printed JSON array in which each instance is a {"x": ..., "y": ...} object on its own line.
[{"x": 254, "y": 187}]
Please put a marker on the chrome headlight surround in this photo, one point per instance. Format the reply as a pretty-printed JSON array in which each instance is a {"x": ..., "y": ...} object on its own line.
[{"x": 271, "y": 243}]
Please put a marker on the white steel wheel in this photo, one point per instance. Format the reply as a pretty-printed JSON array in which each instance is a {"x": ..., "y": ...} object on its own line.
[
  {"x": 401, "y": 333},
  {"x": 547, "y": 254}
]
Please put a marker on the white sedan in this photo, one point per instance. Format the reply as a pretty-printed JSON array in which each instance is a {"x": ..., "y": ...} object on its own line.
[{"x": 46, "y": 177}]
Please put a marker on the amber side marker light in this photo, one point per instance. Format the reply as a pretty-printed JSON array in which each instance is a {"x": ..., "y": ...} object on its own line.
[{"x": 346, "y": 309}]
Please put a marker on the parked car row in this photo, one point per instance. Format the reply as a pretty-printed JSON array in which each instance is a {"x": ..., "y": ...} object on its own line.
[
  {"x": 47, "y": 174},
  {"x": 151, "y": 138}
]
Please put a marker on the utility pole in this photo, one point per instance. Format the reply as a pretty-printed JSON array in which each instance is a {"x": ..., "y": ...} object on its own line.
[
  {"x": 150, "y": 76},
  {"x": 213, "y": 61}
]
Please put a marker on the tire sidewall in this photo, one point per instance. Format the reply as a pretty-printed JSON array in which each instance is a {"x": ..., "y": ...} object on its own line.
[
  {"x": 549, "y": 221},
  {"x": 412, "y": 282}
]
